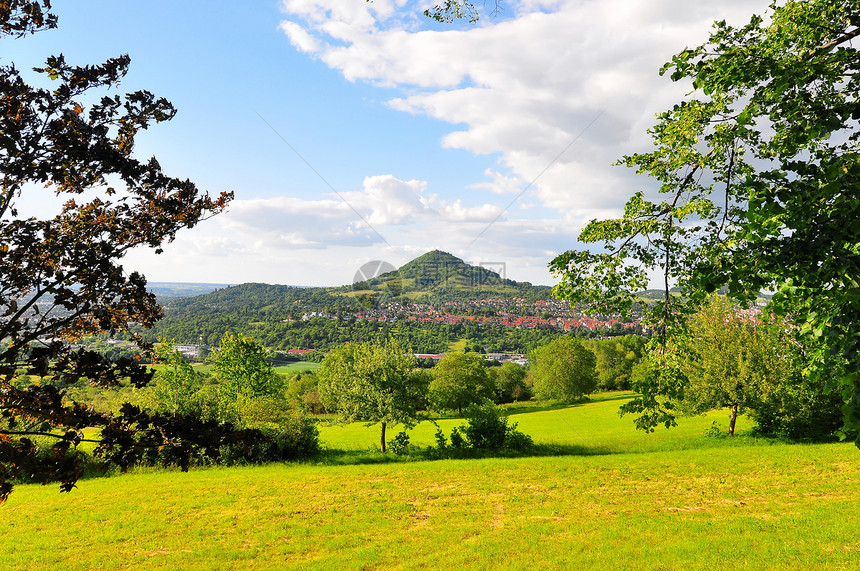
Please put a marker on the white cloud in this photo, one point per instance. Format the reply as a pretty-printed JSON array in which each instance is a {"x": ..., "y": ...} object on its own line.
[
  {"x": 519, "y": 89},
  {"x": 527, "y": 86},
  {"x": 299, "y": 37}
]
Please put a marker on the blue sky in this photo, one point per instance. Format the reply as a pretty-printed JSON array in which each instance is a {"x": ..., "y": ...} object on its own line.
[{"x": 413, "y": 136}]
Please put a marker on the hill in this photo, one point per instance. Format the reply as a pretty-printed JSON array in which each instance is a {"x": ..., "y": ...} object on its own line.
[
  {"x": 431, "y": 303},
  {"x": 438, "y": 276}
]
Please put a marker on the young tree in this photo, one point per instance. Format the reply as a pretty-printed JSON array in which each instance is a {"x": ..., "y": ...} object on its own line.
[
  {"x": 244, "y": 374},
  {"x": 372, "y": 382},
  {"x": 732, "y": 361},
  {"x": 509, "y": 380},
  {"x": 60, "y": 275},
  {"x": 563, "y": 369},
  {"x": 242, "y": 367},
  {"x": 176, "y": 382},
  {"x": 759, "y": 170},
  {"x": 460, "y": 379}
]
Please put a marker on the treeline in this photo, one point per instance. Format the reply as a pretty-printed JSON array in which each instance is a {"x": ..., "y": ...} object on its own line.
[{"x": 322, "y": 333}]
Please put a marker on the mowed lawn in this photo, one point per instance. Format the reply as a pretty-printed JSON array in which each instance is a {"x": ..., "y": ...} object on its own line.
[{"x": 622, "y": 499}]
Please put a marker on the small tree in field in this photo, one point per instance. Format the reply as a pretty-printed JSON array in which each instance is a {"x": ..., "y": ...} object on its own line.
[
  {"x": 563, "y": 370},
  {"x": 739, "y": 363},
  {"x": 372, "y": 382},
  {"x": 460, "y": 379},
  {"x": 731, "y": 361},
  {"x": 244, "y": 373}
]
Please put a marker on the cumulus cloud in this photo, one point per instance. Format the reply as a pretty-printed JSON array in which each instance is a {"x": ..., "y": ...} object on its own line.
[{"x": 527, "y": 85}]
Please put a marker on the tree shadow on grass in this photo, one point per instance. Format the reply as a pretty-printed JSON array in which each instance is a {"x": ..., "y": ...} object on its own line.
[{"x": 335, "y": 457}]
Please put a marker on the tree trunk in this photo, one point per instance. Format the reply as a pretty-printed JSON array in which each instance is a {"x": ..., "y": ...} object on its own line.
[
  {"x": 382, "y": 440},
  {"x": 734, "y": 418}
]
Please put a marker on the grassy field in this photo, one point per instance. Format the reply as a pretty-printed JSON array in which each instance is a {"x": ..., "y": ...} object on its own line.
[
  {"x": 603, "y": 496},
  {"x": 297, "y": 367}
]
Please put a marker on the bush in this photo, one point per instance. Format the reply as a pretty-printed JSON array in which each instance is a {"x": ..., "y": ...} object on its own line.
[
  {"x": 487, "y": 429},
  {"x": 798, "y": 411},
  {"x": 399, "y": 444},
  {"x": 295, "y": 438}
]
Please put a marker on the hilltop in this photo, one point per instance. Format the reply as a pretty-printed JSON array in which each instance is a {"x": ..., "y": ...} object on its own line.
[{"x": 438, "y": 276}]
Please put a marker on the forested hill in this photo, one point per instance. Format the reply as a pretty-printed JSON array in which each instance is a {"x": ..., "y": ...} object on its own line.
[{"x": 423, "y": 300}]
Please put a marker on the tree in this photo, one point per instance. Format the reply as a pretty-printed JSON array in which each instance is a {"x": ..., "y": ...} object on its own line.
[
  {"x": 242, "y": 367},
  {"x": 460, "y": 379},
  {"x": 732, "y": 361},
  {"x": 61, "y": 277},
  {"x": 176, "y": 382},
  {"x": 245, "y": 375},
  {"x": 509, "y": 379},
  {"x": 759, "y": 171},
  {"x": 616, "y": 358},
  {"x": 372, "y": 382},
  {"x": 563, "y": 369}
]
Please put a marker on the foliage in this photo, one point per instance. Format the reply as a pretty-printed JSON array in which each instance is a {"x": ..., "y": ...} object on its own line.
[
  {"x": 510, "y": 385},
  {"x": 245, "y": 375},
  {"x": 460, "y": 379},
  {"x": 732, "y": 361},
  {"x": 400, "y": 443},
  {"x": 60, "y": 276},
  {"x": 242, "y": 366},
  {"x": 563, "y": 370},
  {"x": 372, "y": 382},
  {"x": 294, "y": 438},
  {"x": 176, "y": 382},
  {"x": 451, "y": 10},
  {"x": 486, "y": 430},
  {"x": 758, "y": 170},
  {"x": 615, "y": 359},
  {"x": 302, "y": 388},
  {"x": 799, "y": 410}
]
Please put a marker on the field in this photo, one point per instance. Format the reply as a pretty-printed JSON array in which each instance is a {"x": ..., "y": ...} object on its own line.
[
  {"x": 297, "y": 367},
  {"x": 603, "y": 496}
]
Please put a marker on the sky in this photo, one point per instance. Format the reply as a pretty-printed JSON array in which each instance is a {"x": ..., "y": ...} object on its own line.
[{"x": 355, "y": 131}]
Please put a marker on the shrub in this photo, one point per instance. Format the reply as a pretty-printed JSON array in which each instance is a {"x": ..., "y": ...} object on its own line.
[
  {"x": 295, "y": 438},
  {"x": 399, "y": 444},
  {"x": 487, "y": 429}
]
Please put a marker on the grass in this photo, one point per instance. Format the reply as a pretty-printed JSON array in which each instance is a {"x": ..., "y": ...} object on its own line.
[
  {"x": 297, "y": 367},
  {"x": 674, "y": 499},
  {"x": 458, "y": 346}
]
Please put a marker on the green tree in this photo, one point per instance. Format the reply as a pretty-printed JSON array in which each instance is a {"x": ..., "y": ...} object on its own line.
[
  {"x": 563, "y": 369},
  {"x": 758, "y": 169},
  {"x": 616, "y": 358},
  {"x": 372, "y": 382},
  {"x": 176, "y": 382},
  {"x": 509, "y": 379},
  {"x": 60, "y": 276},
  {"x": 460, "y": 379},
  {"x": 732, "y": 361},
  {"x": 245, "y": 375}
]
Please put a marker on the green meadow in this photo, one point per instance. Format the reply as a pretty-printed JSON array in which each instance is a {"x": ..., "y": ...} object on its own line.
[
  {"x": 297, "y": 367},
  {"x": 597, "y": 495}
]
